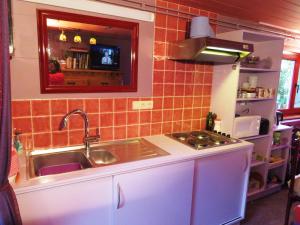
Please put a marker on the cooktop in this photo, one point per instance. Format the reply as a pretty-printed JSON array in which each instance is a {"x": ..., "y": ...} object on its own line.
[{"x": 203, "y": 139}]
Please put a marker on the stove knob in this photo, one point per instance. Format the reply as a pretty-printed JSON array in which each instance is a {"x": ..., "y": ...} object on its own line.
[
  {"x": 215, "y": 131},
  {"x": 228, "y": 135},
  {"x": 224, "y": 134},
  {"x": 219, "y": 132}
]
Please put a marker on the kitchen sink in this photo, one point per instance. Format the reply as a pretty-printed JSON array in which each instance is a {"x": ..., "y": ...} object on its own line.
[
  {"x": 55, "y": 163},
  {"x": 68, "y": 159},
  {"x": 102, "y": 157}
]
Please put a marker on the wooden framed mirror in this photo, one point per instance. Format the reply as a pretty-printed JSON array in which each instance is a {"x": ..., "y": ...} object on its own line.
[{"x": 84, "y": 54}]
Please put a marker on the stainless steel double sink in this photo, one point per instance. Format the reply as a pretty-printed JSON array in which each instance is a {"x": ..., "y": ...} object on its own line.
[{"x": 62, "y": 160}]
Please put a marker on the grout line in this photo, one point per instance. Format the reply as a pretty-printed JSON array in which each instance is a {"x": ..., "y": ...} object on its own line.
[
  {"x": 31, "y": 121},
  {"x": 50, "y": 125}
]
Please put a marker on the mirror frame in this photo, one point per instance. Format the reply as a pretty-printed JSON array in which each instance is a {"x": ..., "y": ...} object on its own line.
[
  {"x": 46, "y": 88},
  {"x": 10, "y": 29}
]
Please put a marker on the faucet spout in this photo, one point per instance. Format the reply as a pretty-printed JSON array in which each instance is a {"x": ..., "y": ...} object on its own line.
[
  {"x": 65, "y": 120},
  {"x": 87, "y": 138}
]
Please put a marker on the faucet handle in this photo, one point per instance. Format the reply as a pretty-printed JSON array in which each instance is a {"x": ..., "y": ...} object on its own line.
[{"x": 93, "y": 138}]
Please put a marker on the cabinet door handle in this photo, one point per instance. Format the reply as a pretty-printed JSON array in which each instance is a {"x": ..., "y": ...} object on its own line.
[
  {"x": 119, "y": 196},
  {"x": 247, "y": 163}
]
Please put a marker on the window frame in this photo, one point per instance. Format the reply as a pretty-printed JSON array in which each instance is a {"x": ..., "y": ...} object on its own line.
[{"x": 291, "y": 110}]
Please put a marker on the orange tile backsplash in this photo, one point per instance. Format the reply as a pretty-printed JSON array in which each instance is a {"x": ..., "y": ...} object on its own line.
[
  {"x": 181, "y": 99},
  {"x": 58, "y": 107},
  {"x": 21, "y": 109},
  {"x": 40, "y": 108}
]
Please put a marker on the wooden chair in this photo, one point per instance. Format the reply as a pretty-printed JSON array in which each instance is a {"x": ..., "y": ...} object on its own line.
[
  {"x": 297, "y": 215},
  {"x": 292, "y": 196}
]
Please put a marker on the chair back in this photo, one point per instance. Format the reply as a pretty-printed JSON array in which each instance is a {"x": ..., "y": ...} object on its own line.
[{"x": 295, "y": 149}]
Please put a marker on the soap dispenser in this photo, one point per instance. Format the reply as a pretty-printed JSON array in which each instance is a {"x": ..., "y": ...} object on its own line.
[{"x": 17, "y": 142}]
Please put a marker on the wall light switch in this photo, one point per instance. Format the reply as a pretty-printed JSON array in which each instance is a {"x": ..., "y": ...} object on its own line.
[{"x": 142, "y": 105}]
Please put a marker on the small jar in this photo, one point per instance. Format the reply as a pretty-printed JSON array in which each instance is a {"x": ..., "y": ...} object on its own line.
[
  {"x": 276, "y": 138},
  {"x": 239, "y": 93},
  {"x": 244, "y": 94}
]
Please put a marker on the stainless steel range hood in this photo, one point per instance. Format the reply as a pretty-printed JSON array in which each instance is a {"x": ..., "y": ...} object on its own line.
[{"x": 206, "y": 49}]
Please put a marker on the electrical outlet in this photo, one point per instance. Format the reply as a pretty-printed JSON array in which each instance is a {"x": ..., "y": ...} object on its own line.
[{"x": 142, "y": 105}]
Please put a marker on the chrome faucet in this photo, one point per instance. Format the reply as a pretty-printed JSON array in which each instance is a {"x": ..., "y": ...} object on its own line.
[{"x": 87, "y": 139}]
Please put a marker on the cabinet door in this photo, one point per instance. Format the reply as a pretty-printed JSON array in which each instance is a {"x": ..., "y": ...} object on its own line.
[
  {"x": 220, "y": 188},
  {"x": 88, "y": 202},
  {"x": 157, "y": 196}
]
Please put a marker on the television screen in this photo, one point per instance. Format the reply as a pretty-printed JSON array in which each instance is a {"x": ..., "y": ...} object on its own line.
[{"x": 104, "y": 57}]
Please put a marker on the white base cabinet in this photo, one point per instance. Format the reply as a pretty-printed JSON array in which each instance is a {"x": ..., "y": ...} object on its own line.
[
  {"x": 85, "y": 203},
  {"x": 220, "y": 188},
  {"x": 206, "y": 191},
  {"x": 157, "y": 196}
]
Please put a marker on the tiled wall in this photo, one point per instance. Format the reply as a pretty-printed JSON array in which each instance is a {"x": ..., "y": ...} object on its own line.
[{"x": 181, "y": 95}]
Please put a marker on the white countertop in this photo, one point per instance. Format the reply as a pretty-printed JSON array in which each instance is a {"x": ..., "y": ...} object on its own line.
[{"x": 178, "y": 153}]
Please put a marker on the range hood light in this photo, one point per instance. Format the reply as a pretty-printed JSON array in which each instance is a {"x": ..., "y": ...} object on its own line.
[
  {"x": 223, "y": 49},
  {"x": 210, "y": 52}
]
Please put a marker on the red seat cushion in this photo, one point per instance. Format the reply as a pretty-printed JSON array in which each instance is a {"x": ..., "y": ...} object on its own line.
[
  {"x": 56, "y": 79},
  {"x": 297, "y": 215}
]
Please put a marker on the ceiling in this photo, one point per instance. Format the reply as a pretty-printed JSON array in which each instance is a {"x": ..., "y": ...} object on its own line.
[{"x": 283, "y": 13}]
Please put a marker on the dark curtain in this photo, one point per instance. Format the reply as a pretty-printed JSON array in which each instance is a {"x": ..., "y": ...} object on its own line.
[{"x": 9, "y": 212}]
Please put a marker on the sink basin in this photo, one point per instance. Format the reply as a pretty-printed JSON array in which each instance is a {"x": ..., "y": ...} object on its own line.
[
  {"x": 102, "y": 157},
  {"x": 62, "y": 162}
]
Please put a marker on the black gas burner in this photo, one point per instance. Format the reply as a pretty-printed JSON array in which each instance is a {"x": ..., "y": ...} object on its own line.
[
  {"x": 180, "y": 136},
  {"x": 220, "y": 142},
  {"x": 200, "y": 135},
  {"x": 202, "y": 139},
  {"x": 197, "y": 143}
]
